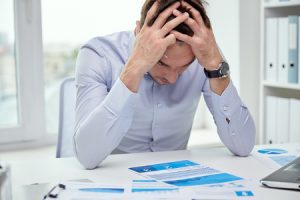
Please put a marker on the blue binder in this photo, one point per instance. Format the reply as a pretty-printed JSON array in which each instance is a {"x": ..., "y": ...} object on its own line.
[{"x": 293, "y": 50}]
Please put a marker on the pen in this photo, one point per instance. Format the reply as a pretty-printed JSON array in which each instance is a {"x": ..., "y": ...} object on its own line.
[{"x": 54, "y": 192}]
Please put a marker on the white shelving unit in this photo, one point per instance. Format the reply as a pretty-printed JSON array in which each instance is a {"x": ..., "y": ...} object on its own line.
[{"x": 274, "y": 8}]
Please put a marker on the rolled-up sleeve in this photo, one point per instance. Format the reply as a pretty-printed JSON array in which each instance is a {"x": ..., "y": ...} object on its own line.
[
  {"x": 234, "y": 122},
  {"x": 103, "y": 115}
]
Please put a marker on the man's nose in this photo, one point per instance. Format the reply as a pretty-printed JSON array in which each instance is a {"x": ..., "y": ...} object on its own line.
[{"x": 172, "y": 76}]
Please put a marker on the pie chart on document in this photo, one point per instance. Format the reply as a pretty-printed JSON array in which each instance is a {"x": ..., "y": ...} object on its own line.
[{"x": 272, "y": 151}]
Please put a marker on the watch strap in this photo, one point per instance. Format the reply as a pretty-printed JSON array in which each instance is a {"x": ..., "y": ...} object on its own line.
[
  {"x": 221, "y": 72},
  {"x": 212, "y": 74}
]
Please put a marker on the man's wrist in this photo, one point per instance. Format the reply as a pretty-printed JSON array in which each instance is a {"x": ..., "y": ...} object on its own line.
[
  {"x": 131, "y": 76},
  {"x": 221, "y": 72},
  {"x": 219, "y": 85},
  {"x": 213, "y": 65}
]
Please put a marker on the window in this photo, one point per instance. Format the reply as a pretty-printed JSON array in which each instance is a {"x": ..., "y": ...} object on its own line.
[
  {"x": 64, "y": 33},
  {"x": 8, "y": 83},
  {"x": 22, "y": 106}
]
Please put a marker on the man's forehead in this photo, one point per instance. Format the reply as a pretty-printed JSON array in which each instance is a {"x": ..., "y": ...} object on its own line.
[{"x": 177, "y": 61}]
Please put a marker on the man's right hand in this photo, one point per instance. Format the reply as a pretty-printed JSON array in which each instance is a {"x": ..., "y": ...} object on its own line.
[{"x": 150, "y": 45}]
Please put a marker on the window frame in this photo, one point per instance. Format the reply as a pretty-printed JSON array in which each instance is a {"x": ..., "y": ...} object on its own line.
[{"x": 29, "y": 74}]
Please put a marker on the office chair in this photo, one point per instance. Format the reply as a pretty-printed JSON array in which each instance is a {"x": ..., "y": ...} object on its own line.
[{"x": 67, "y": 103}]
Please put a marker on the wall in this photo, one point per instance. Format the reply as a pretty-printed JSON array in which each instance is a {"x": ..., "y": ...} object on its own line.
[{"x": 250, "y": 56}]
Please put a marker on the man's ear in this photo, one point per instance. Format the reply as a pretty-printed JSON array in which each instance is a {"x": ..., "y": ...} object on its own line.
[{"x": 137, "y": 27}]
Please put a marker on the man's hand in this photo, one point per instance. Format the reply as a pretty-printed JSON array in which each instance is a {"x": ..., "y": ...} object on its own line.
[
  {"x": 150, "y": 45},
  {"x": 203, "y": 42},
  {"x": 204, "y": 46}
]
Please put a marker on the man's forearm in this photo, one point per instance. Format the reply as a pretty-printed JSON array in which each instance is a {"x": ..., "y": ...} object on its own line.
[
  {"x": 235, "y": 125},
  {"x": 218, "y": 85},
  {"x": 131, "y": 76},
  {"x": 100, "y": 131}
]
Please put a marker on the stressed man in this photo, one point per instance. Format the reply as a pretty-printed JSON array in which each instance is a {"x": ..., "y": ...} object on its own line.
[{"x": 138, "y": 91}]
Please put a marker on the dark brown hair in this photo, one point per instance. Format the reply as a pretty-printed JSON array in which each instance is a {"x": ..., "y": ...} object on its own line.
[{"x": 163, "y": 4}]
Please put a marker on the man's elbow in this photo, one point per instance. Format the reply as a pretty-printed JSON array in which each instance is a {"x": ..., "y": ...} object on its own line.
[
  {"x": 244, "y": 152},
  {"x": 87, "y": 155},
  {"x": 245, "y": 147},
  {"x": 86, "y": 162}
]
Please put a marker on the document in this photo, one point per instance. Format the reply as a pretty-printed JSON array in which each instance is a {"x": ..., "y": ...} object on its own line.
[
  {"x": 293, "y": 49},
  {"x": 141, "y": 189},
  {"x": 271, "y": 117},
  {"x": 152, "y": 186},
  {"x": 231, "y": 190},
  {"x": 282, "y": 120},
  {"x": 283, "y": 50},
  {"x": 275, "y": 158},
  {"x": 78, "y": 190},
  {"x": 184, "y": 173},
  {"x": 294, "y": 125},
  {"x": 271, "y": 63},
  {"x": 179, "y": 180}
]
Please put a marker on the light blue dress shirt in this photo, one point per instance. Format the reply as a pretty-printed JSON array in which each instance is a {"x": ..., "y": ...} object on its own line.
[{"x": 111, "y": 118}]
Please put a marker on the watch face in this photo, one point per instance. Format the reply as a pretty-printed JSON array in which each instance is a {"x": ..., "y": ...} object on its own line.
[{"x": 224, "y": 69}]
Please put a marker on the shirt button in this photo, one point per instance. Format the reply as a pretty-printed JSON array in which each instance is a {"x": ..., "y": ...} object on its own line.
[
  {"x": 159, "y": 105},
  {"x": 233, "y": 133},
  {"x": 225, "y": 108}
]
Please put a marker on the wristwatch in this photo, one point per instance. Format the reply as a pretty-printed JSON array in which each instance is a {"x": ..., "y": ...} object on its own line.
[{"x": 221, "y": 72}]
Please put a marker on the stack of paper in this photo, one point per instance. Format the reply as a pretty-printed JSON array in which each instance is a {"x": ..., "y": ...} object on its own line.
[{"x": 179, "y": 180}]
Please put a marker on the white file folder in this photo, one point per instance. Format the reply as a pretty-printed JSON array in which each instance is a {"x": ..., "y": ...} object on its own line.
[
  {"x": 271, "y": 49},
  {"x": 293, "y": 49},
  {"x": 271, "y": 105},
  {"x": 282, "y": 70},
  {"x": 282, "y": 120},
  {"x": 294, "y": 120}
]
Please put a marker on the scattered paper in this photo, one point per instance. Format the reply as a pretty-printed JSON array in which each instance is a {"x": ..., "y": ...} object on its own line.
[
  {"x": 184, "y": 173},
  {"x": 275, "y": 158}
]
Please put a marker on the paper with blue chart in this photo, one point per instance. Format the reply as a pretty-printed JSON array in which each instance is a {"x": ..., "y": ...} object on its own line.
[
  {"x": 184, "y": 173},
  {"x": 197, "y": 180},
  {"x": 179, "y": 180},
  {"x": 275, "y": 157}
]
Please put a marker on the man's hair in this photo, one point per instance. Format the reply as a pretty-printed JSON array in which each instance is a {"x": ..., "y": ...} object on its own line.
[{"x": 163, "y": 4}]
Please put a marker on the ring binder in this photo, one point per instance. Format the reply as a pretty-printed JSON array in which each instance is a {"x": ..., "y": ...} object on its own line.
[{"x": 54, "y": 192}]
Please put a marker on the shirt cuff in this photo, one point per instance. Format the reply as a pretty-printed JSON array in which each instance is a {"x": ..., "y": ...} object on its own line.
[
  {"x": 228, "y": 102},
  {"x": 120, "y": 101}
]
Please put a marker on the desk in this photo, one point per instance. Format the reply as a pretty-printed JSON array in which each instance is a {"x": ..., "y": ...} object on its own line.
[{"x": 114, "y": 169}]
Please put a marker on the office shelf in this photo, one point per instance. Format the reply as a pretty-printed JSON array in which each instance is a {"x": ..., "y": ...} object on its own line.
[
  {"x": 269, "y": 9},
  {"x": 282, "y": 86},
  {"x": 280, "y": 3}
]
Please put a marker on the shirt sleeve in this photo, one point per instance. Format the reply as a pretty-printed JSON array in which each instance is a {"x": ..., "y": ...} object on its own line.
[
  {"x": 102, "y": 117},
  {"x": 235, "y": 125}
]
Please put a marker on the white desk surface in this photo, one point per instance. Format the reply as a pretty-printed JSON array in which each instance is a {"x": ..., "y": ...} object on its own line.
[{"x": 115, "y": 169}]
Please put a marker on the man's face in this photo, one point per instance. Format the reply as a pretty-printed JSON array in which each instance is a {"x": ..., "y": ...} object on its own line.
[{"x": 176, "y": 59}]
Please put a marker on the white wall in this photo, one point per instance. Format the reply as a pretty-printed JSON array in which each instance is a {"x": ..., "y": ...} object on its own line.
[
  {"x": 250, "y": 56},
  {"x": 225, "y": 21}
]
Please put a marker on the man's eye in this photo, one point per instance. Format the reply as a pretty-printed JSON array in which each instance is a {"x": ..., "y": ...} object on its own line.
[{"x": 160, "y": 63}]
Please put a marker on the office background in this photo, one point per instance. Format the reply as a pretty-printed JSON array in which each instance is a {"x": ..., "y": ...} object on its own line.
[{"x": 39, "y": 41}]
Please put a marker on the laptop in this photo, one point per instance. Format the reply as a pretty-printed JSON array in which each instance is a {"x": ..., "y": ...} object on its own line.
[{"x": 287, "y": 177}]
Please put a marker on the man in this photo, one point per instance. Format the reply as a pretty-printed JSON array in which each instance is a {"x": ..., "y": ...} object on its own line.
[{"x": 138, "y": 92}]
